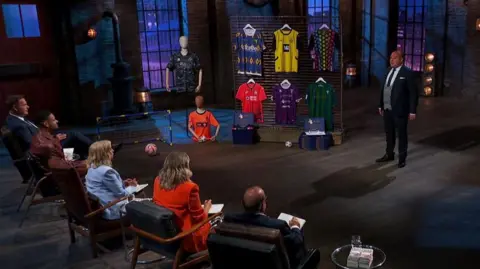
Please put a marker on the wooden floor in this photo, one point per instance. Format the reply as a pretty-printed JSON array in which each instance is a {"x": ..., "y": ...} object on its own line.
[{"x": 425, "y": 215}]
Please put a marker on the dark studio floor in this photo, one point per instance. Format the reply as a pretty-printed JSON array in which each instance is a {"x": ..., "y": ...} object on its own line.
[{"x": 426, "y": 215}]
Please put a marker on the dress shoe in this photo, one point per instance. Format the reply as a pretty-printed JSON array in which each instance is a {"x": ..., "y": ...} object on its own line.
[
  {"x": 401, "y": 164},
  {"x": 116, "y": 148},
  {"x": 385, "y": 158}
]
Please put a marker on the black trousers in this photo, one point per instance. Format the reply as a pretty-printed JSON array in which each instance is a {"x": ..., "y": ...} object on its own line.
[
  {"x": 79, "y": 142},
  {"x": 395, "y": 125}
]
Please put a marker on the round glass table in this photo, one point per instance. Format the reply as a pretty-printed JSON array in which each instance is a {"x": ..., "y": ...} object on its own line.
[{"x": 340, "y": 255}]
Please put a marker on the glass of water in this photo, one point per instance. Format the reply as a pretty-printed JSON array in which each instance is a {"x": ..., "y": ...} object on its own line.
[{"x": 356, "y": 241}]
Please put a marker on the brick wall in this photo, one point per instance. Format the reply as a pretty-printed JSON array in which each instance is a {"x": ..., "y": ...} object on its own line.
[{"x": 471, "y": 64}]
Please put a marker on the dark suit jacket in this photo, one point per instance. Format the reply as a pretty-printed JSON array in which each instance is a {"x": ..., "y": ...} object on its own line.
[
  {"x": 22, "y": 130},
  {"x": 404, "y": 97},
  {"x": 293, "y": 238}
]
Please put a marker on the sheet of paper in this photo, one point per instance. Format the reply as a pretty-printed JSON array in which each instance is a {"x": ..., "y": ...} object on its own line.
[
  {"x": 140, "y": 187},
  {"x": 216, "y": 208},
  {"x": 286, "y": 217}
]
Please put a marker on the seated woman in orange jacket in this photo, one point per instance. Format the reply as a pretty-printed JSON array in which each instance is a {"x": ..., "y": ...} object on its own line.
[{"x": 174, "y": 190}]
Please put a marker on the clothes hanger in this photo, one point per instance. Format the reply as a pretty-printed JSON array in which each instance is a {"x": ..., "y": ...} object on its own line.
[
  {"x": 320, "y": 79},
  {"x": 251, "y": 81},
  {"x": 286, "y": 26},
  {"x": 324, "y": 26},
  {"x": 248, "y": 26},
  {"x": 288, "y": 84}
]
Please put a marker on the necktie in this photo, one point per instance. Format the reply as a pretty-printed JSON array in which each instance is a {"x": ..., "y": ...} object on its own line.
[
  {"x": 389, "y": 82},
  {"x": 30, "y": 123}
]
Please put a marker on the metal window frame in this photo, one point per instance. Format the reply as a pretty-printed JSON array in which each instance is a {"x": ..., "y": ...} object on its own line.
[
  {"x": 147, "y": 52},
  {"x": 412, "y": 55}
]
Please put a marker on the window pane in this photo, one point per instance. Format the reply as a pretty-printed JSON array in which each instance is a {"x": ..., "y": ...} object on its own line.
[
  {"x": 143, "y": 43},
  {"x": 174, "y": 20},
  {"x": 418, "y": 31},
  {"x": 172, "y": 4},
  {"x": 151, "y": 21},
  {"x": 165, "y": 58},
  {"x": 402, "y": 3},
  {"x": 30, "y": 20},
  {"x": 144, "y": 62},
  {"x": 146, "y": 80},
  {"x": 139, "y": 5},
  {"x": 155, "y": 79},
  {"x": 408, "y": 47},
  {"x": 311, "y": 11},
  {"x": 162, "y": 4},
  {"x": 13, "y": 23},
  {"x": 153, "y": 61},
  {"x": 409, "y": 31},
  {"x": 164, "y": 40},
  {"x": 408, "y": 61},
  {"x": 400, "y": 44},
  {"x": 141, "y": 22},
  {"x": 152, "y": 41},
  {"x": 419, "y": 14},
  {"x": 417, "y": 61},
  {"x": 149, "y": 4},
  {"x": 410, "y": 13},
  {"x": 417, "y": 47},
  {"x": 402, "y": 15},
  {"x": 411, "y": 2},
  {"x": 162, "y": 20},
  {"x": 174, "y": 36}
]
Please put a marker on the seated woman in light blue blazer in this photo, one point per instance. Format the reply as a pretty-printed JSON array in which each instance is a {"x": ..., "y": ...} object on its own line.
[{"x": 103, "y": 181}]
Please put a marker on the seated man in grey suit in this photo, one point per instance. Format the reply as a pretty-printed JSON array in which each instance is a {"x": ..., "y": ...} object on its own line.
[
  {"x": 255, "y": 204},
  {"x": 24, "y": 129}
]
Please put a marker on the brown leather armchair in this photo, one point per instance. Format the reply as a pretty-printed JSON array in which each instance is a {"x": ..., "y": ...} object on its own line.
[
  {"x": 156, "y": 231},
  {"x": 41, "y": 183},
  {"x": 237, "y": 246},
  {"x": 84, "y": 211}
]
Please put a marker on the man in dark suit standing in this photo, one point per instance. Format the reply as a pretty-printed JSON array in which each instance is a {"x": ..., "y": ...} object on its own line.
[
  {"x": 255, "y": 204},
  {"x": 24, "y": 129},
  {"x": 398, "y": 105}
]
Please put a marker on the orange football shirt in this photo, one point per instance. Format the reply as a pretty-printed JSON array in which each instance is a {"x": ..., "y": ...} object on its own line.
[{"x": 201, "y": 122}]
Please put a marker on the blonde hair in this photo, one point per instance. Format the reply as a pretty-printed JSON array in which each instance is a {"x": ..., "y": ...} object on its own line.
[
  {"x": 99, "y": 154},
  {"x": 175, "y": 171}
]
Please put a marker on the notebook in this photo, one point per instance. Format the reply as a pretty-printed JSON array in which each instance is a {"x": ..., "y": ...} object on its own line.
[
  {"x": 287, "y": 218},
  {"x": 216, "y": 208},
  {"x": 140, "y": 187}
]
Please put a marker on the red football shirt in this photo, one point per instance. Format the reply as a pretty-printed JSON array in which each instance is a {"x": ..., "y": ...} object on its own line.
[{"x": 252, "y": 95}]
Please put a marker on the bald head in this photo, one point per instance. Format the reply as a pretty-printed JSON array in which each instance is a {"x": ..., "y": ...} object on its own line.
[
  {"x": 396, "y": 59},
  {"x": 254, "y": 200}
]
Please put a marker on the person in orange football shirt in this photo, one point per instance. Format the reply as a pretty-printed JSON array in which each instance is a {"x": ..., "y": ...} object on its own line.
[
  {"x": 174, "y": 190},
  {"x": 199, "y": 122}
]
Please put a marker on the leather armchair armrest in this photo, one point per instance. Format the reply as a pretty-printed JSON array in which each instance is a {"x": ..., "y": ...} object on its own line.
[{"x": 311, "y": 260}]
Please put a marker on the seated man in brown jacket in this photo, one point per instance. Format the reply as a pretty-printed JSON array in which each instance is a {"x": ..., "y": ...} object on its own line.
[{"x": 47, "y": 147}]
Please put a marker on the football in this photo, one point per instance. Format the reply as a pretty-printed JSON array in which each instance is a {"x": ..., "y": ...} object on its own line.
[
  {"x": 288, "y": 144},
  {"x": 151, "y": 149}
]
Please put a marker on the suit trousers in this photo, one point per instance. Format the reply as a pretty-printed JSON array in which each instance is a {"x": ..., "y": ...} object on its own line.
[{"x": 396, "y": 126}]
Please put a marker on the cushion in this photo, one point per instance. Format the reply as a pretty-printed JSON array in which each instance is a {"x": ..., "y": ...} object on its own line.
[
  {"x": 235, "y": 253},
  {"x": 156, "y": 220}
]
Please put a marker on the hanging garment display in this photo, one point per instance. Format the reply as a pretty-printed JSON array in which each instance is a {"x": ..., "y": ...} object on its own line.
[
  {"x": 286, "y": 97},
  {"x": 321, "y": 101},
  {"x": 249, "y": 45},
  {"x": 252, "y": 94},
  {"x": 322, "y": 47},
  {"x": 286, "y": 49}
]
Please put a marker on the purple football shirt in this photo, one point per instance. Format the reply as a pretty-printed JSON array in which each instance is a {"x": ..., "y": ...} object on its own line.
[{"x": 285, "y": 104}]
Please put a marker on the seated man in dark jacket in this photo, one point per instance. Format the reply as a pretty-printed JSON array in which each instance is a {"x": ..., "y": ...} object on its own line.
[
  {"x": 255, "y": 204},
  {"x": 24, "y": 129}
]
